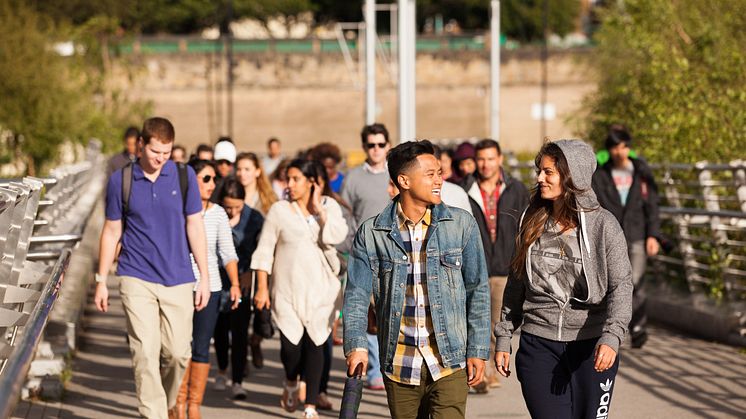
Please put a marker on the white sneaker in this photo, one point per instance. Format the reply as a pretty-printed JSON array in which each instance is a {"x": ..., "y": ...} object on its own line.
[
  {"x": 220, "y": 383},
  {"x": 310, "y": 413},
  {"x": 239, "y": 393}
]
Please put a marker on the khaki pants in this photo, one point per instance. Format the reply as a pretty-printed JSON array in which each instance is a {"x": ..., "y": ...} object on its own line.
[
  {"x": 442, "y": 399},
  {"x": 497, "y": 288},
  {"x": 159, "y": 326}
]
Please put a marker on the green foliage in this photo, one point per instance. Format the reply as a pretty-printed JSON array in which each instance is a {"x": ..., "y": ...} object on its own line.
[
  {"x": 672, "y": 71},
  {"x": 523, "y": 19},
  {"x": 169, "y": 16},
  {"x": 520, "y": 19},
  {"x": 49, "y": 99}
]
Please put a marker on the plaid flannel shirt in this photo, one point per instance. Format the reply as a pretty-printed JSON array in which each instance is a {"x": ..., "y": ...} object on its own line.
[{"x": 416, "y": 342}]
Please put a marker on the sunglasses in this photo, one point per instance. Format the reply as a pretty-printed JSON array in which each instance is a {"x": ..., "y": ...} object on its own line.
[
  {"x": 207, "y": 178},
  {"x": 371, "y": 146}
]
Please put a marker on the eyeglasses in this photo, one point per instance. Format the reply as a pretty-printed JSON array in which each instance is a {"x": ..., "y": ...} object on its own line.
[
  {"x": 207, "y": 178},
  {"x": 371, "y": 146}
]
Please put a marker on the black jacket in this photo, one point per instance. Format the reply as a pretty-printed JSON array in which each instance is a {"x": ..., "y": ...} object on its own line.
[
  {"x": 639, "y": 217},
  {"x": 513, "y": 201}
]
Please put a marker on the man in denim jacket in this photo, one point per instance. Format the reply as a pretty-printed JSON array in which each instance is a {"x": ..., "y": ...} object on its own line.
[{"x": 428, "y": 279}]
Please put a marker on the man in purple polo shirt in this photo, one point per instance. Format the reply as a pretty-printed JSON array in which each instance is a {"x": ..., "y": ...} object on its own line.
[{"x": 156, "y": 278}]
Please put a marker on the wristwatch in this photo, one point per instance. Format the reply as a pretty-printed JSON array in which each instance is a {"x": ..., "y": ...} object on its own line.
[{"x": 100, "y": 278}]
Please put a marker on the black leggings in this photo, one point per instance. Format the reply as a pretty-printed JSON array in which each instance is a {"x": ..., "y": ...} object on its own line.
[
  {"x": 237, "y": 323},
  {"x": 304, "y": 357}
]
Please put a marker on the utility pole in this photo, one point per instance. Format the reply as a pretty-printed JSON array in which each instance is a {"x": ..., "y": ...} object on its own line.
[
  {"x": 544, "y": 75},
  {"x": 495, "y": 70},
  {"x": 370, "y": 61},
  {"x": 407, "y": 82},
  {"x": 229, "y": 59}
]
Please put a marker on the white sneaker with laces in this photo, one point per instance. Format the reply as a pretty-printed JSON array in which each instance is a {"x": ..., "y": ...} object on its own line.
[
  {"x": 220, "y": 383},
  {"x": 310, "y": 413},
  {"x": 239, "y": 393}
]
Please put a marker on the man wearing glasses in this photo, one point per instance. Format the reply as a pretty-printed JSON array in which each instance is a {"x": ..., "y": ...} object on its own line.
[{"x": 365, "y": 189}]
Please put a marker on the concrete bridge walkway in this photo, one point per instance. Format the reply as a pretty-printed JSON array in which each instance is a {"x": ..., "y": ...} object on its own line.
[{"x": 673, "y": 376}]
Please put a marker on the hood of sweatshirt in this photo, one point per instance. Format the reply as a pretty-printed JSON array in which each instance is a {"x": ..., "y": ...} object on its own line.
[{"x": 582, "y": 161}]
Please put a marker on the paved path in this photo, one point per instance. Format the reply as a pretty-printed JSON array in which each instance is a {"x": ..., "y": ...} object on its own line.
[{"x": 673, "y": 376}]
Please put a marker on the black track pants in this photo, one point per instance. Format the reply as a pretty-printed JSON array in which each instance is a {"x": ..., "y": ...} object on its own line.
[{"x": 558, "y": 380}]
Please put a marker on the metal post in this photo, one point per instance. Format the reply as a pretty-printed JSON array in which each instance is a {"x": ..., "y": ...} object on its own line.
[
  {"x": 229, "y": 56},
  {"x": 544, "y": 59},
  {"x": 407, "y": 88},
  {"x": 495, "y": 71},
  {"x": 370, "y": 61}
]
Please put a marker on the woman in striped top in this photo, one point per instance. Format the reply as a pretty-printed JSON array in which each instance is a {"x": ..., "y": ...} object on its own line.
[{"x": 219, "y": 244}]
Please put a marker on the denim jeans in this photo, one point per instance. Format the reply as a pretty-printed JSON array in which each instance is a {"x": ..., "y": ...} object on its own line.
[
  {"x": 374, "y": 364},
  {"x": 203, "y": 326}
]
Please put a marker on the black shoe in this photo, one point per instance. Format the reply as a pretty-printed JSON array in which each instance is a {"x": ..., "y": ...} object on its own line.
[{"x": 639, "y": 339}]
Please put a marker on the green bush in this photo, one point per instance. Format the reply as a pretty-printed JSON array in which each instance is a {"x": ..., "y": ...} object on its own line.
[{"x": 673, "y": 72}]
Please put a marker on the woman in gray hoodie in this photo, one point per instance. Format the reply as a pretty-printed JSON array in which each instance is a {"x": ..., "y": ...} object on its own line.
[{"x": 569, "y": 290}]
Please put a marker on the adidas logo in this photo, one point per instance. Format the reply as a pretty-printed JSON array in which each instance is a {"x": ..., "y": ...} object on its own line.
[
  {"x": 603, "y": 408},
  {"x": 607, "y": 385}
]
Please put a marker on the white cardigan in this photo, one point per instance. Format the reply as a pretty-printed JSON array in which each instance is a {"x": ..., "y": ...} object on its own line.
[{"x": 304, "y": 286}]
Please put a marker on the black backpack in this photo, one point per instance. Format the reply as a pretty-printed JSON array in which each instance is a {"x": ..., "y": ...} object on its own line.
[{"x": 127, "y": 175}]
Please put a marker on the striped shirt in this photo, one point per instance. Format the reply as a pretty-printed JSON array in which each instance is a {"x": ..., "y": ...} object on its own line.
[
  {"x": 416, "y": 342},
  {"x": 219, "y": 244}
]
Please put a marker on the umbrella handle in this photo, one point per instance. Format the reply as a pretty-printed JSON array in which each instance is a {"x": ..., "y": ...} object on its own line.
[{"x": 358, "y": 371}]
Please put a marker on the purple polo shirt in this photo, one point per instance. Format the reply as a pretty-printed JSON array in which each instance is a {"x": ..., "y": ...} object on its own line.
[{"x": 154, "y": 241}]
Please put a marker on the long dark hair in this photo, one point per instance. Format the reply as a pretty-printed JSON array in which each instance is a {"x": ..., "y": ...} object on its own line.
[
  {"x": 539, "y": 209},
  {"x": 231, "y": 188},
  {"x": 198, "y": 165},
  {"x": 315, "y": 171}
]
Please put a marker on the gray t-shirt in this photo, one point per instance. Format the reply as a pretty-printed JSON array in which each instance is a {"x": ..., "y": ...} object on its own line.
[
  {"x": 623, "y": 180},
  {"x": 366, "y": 192},
  {"x": 556, "y": 264}
]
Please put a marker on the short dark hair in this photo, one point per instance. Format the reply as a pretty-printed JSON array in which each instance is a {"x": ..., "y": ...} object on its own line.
[
  {"x": 203, "y": 148},
  {"x": 224, "y": 138},
  {"x": 231, "y": 188},
  {"x": 272, "y": 140},
  {"x": 158, "y": 127},
  {"x": 618, "y": 134},
  {"x": 130, "y": 132},
  {"x": 487, "y": 143},
  {"x": 374, "y": 129},
  {"x": 404, "y": 156}
]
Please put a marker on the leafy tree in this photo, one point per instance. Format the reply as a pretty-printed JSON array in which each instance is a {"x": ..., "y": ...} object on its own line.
[
  {"x": 673, "y": 72},
  {"x": 523, "y": 19},
  {"x": 48, "y": 99}
]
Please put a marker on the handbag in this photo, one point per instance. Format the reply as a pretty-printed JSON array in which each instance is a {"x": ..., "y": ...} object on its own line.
[{"x": 263, "y": 323}]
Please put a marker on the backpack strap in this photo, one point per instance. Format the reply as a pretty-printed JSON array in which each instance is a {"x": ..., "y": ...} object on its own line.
[
  {"x": 183, "y": 182},
  {"x": 127, "y": 175}
]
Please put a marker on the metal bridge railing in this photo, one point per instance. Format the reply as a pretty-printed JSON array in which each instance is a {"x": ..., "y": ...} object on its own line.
[{"x": 40, "y": 221}]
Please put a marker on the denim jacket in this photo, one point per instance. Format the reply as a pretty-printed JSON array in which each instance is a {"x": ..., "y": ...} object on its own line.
[{"x": 456, "y": 284}]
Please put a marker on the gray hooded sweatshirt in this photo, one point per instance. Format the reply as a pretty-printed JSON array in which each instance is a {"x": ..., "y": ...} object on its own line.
[{"x": 607, "y": 310}]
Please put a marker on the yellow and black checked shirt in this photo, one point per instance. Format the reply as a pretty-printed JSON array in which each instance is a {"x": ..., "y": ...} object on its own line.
[{"x": 416, "y": 343}]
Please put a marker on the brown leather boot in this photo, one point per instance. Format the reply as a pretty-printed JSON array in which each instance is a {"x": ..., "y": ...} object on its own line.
[
  {"x": 197, "y": 382},
  {"x": 179, "y": 411},
  {"x": 257, "y": 358}
]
